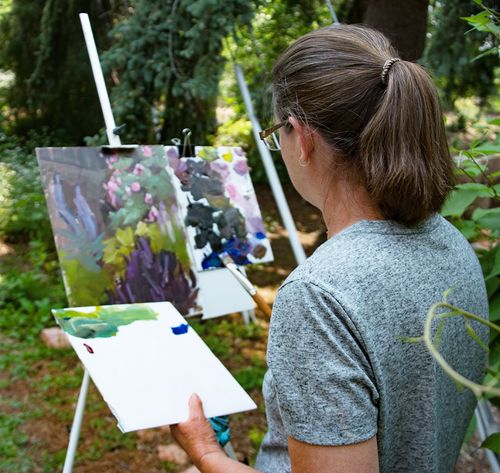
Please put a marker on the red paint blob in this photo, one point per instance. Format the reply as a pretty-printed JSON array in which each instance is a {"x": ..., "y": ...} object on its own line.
[{"x": 89, "y": 348}]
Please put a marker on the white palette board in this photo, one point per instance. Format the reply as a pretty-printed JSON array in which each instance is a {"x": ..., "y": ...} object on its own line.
[{"x": 146, "y": 373}]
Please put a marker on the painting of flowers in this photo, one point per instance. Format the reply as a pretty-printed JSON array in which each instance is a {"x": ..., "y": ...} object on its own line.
[
  {"x": 220, "y": 206},
  {"x": 118, "y": 227}
]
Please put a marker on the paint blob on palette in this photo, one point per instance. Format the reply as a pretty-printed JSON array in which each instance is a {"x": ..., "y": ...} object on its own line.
[
  {"x": 119, "y": 232},
  {"x": 146, "y": 361},
  {"x": 220, "y": 207}
]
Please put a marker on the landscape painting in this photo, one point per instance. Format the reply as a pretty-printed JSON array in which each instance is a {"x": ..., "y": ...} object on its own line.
[
  {"x": 118, "y": 227},
  {"x": 219, "y": 206}
]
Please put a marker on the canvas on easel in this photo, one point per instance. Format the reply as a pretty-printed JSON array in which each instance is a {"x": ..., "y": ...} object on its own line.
[
  {"x": 117, "y": 226},
  {"x": 219, "y": 206}
]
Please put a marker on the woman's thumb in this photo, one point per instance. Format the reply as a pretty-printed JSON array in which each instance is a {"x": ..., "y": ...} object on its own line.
[{"x": 195, "y": 407}]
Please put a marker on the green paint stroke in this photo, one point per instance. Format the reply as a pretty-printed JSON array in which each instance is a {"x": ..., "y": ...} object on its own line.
[{"x": 104, "y": 322}]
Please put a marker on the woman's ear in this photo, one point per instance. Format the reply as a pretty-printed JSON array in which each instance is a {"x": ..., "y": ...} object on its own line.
[{"x": 306, "y": 140}]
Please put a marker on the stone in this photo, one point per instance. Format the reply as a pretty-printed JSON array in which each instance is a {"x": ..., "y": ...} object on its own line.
[
  {"x": 54, "y": 337},
  {"x": 172, "y": 453}
]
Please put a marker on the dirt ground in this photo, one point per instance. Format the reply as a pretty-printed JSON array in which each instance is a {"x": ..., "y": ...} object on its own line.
[{"x": 53, "y": 383}]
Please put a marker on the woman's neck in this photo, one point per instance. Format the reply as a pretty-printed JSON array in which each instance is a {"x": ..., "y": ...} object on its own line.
[{"x": 347, "y": 204}]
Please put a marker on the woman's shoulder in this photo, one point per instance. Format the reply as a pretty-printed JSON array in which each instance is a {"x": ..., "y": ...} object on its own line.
[{"x": 370, "y": 252}]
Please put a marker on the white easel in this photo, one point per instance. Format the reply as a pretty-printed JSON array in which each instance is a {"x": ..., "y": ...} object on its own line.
[{"x": 114, "y": 141}]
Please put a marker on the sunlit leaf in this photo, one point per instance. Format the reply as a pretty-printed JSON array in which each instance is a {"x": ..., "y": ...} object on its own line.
[
  {"x": 492, "y": 442},
  {"x": 489, "y": 218},
  {"x": 463, "y": 195}
]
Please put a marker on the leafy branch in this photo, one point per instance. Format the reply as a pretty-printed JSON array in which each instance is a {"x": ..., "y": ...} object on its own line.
[{"x": 479, "y": 390}]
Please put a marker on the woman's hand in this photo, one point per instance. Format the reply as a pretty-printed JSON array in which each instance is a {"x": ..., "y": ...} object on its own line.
[{"x": 196, "y": 435}]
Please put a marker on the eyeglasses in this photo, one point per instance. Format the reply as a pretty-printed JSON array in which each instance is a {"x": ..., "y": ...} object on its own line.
[{"x": 271, "y": 138}]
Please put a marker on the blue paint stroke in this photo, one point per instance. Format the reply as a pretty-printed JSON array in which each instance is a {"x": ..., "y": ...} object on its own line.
[
  {"x": 180, "y": 330},
  {"x": 260, "y": 235}
]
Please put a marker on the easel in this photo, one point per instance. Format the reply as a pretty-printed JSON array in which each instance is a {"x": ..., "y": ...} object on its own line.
[{"x": 114, "y": 141}]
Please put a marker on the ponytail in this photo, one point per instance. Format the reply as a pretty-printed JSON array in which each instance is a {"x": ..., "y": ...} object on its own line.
[
  {"x": 380, "y": 115},
  {"x": 403, "y": 150}
]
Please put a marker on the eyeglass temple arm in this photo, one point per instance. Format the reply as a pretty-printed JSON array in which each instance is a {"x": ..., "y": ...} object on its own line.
[{"x": 268, "y": 131}]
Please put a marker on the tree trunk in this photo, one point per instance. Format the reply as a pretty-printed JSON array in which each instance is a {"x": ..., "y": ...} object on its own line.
[{"x": 403, "y": 22}]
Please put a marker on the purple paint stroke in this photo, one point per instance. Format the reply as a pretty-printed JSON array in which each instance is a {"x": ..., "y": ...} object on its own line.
[
  {"x": 241, "y": 167},
  {"x": 156, "y": 277},
  {"x": 221, "y": 167}
]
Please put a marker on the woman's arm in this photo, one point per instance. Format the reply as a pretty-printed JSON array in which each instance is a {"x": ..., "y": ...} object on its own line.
[
  {"x": 359, "y": 457},
  {"x": 197, "y": 438}
]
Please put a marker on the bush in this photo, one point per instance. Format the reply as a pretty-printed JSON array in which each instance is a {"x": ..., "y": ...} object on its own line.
[
  {"x": 28, "y": 291},
  {"x": 23, "y": 212}
]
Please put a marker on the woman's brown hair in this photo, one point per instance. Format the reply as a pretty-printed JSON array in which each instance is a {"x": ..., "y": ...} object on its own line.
[{"x": 388, "y": 130}]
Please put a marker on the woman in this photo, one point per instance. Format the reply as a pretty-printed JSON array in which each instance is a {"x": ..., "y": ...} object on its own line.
[{"x": 363, "y": 139}]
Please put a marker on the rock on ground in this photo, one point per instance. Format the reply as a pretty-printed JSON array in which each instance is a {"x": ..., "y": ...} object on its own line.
[{"x": 54, "y": 337}]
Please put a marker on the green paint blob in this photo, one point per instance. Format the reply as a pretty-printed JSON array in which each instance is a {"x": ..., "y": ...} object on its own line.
[{"x": 104, "y": 322}]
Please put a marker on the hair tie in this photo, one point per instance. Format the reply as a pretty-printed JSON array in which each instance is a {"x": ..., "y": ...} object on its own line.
[{"x": 387, "y": 67}]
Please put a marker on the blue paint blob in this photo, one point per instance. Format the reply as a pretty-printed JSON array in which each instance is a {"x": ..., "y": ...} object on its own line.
[
  {"x": 211, "y": 261},
  {"x": 260, "y": 236},
  {"x": 180, "y": 330}
]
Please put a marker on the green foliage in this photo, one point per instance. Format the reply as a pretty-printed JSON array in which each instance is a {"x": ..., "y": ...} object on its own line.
[
  {"x": 452, "y": 50},
  {"x": 28, "y": 292},
  {"x": 476, "y": 223},
  {"x": 256, "y": 436},
  {"x": 492, "y": 442},
  {"x": 256, "y": 48},
  {"x": 166, "y": 65},
  {"x": 23, "y": 213},
  {"x": 251, "y": 377},
  {"x": 42, "y": 44},
  {"x": 12, "y": 439}
]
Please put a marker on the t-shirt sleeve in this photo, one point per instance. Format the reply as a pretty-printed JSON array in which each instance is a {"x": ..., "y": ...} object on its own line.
[{"x": 323, "y": 380}]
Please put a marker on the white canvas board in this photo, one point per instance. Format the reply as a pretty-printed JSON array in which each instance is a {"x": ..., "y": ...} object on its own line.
[
  {"x": 221, "y": 294},
  {"x": 146, "y": 373}
]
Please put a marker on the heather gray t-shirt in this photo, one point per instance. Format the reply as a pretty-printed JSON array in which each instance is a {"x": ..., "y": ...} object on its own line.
[{"x": 339, "y": 371}]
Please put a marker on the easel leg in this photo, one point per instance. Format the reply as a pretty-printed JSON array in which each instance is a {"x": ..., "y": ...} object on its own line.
[
  {"x": 249, "y": 315},
  {"x": 228, "y": 448},
  {"x": 486, "y": 426},
  {"x": 77, "y": 423}
]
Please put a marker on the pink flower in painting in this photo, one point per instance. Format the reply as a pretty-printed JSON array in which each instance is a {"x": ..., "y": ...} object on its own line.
[
  {"x": 148, "y": 198},
  {"x": 232, "y": 191},
  {"x": 241, "y": 167},
  {"x": 138, "y": 169},
  {"x": 111, "y": 160},
  {"x": 153, "y": 214},
  {"x": 135, "y": 187},
  {"x": 112, "y": 186},
  {"x": 238, "y": 151},
  {"x": 147, "y": 151}
]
